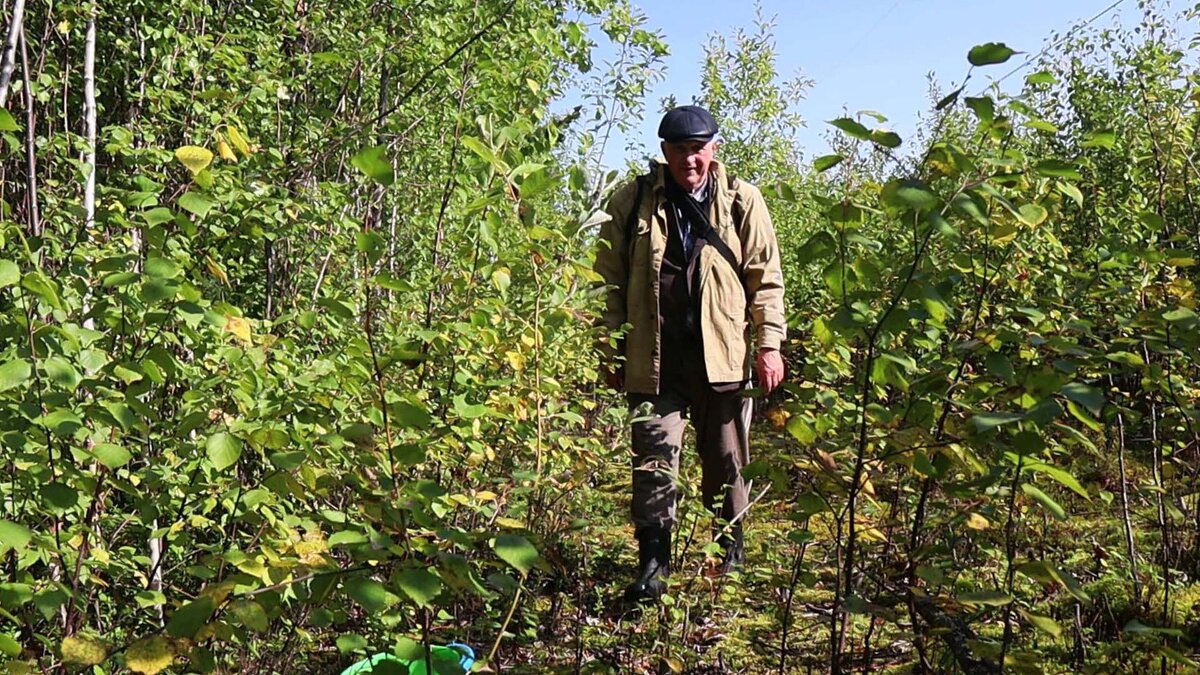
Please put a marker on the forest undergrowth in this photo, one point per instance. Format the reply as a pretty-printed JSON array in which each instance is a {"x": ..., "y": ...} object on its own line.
[{"x": 297, "y": 361}]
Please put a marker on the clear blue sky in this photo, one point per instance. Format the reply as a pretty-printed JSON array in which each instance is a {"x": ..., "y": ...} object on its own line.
[{"x": 862, "y": 54}]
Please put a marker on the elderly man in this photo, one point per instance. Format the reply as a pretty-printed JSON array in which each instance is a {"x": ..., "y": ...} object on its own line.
[{"x": 692, "y": 263}]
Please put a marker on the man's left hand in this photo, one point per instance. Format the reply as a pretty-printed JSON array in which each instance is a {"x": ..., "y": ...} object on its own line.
[{"x": 770, "y": 369}]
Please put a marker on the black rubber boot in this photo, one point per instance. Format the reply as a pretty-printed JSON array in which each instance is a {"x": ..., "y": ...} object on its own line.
[
  {"x": 733, "y": 544},
  {"x": 654, "y": 562}
]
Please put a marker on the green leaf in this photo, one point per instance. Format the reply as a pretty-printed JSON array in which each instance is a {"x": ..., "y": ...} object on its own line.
[
  {"x": 10, "y": 274},
  {"x": 352, "y": 642},
  {"x": 1180, "y": 315},
  {"x": 194, "y": 157},
  {"x": 1101, "y": 138},
  {"x": 467, "y": 410},
  {"x": 13, "y": 373},
  {"x": 375, "y": 164},
  {"x": 1137, "y": 627},
  {"x": 61, "y": 372},
  {"x": 1126, "y": 359},
  {"x": 13, "y": 536},
  {"x": 154, "y": 291},
  {"x": 1080, "y": 413},
  {"x": 410, "y": 416},
  {"x": 1032, "y": 214},
  {"x": 419, "y": 585},
  {"x": 989, "y": 53},
  {"x": 948, "y": 99},
  {"x": 1058, "y": 169},
  {"x": 801, "y": 430},
  {"x": 161, "y": 268},
  {"x": 35, "y": 282},
  {"x": 157, "y": 216},
  {"x": 821, "y": 245},
  {"x": 1177, "y": 657},
  {"x": 912, "y": 194},
  {"x": 1043, "y": 623},
  {"x": 990, "y": 420},
  {"x": 59, "y": 497},
  {"x": 990, "y": 598},
  {"x": 118, "y": 279},
  {"x": 8, "y": 646},
  {"x": 288, "y": 460},
  {"x": 251, "y": 615},
  {"x": 7, "y": 123},
  {"x": 1044, "y": 499},
  {"x": 62, "y": 421},
  {"x": 516, "y": 551},
  {"x": 1071, "y": 191},
  {"x": 1041, "y": 77},
  {"x": 852, "y": 128},
  {"x": 887, "y": 139},
  {"x": 111, "y": 456},
  {"x": 80, "y": 650},
  {"x": 347, "y": 537},
  {"x": 49, "y": 601},
  {"x": 195, "y": 204},
  {"x": 224, "y": 450},
  {"x": 983, "y": 107},
  {"x": 150, "y": 655},
  {"x": 369, "y": 593},
  {"x": 1084, "y": 394},
  {"x": 1063, "y": 477},
  {"x": 477, "y": 146},
  {"x": 826, "y": 162},
  {"x": 190, "y": 618}
]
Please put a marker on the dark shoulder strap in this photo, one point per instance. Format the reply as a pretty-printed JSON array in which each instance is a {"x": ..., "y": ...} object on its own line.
[
  {"x": 710, "y": 235},
  {"x": 715, "y": 240}
]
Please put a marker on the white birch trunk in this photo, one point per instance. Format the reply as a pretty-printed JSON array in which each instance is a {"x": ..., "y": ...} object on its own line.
[
  {"x": 89, "y": 115},
  {"x": 156, "y": 581},
  {"x": 8, "y": 60},
  {"x": 89, "y": 157}
]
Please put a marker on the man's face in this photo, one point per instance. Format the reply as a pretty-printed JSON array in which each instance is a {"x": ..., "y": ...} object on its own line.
[{"x": 688, "y": 161}]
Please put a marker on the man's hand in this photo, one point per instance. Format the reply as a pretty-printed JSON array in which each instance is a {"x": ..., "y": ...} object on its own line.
[
  {"x": 770, "y": 369},
  {"x": 614, "y": 378}
]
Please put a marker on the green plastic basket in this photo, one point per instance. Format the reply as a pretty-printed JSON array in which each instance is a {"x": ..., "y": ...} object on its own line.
[{"x": 452, "y": 659}]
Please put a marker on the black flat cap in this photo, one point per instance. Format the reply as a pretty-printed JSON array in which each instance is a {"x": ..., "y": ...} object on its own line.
[{"x": 687, "y": 122}]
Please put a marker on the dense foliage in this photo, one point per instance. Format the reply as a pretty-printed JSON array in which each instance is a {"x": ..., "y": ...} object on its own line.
[{"x": 296, "y": 362}]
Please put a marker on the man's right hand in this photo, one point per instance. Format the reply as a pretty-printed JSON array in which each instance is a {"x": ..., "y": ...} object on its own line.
[{"x": 614, "y": 378}]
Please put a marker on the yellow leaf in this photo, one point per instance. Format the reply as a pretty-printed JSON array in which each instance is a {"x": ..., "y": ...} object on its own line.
[
  {"x": 516, "y": 360},
  {"x": 511, "y": 523},
  {"x": 150, "y": 655},
  {"x": 977, "y": 522},
  {"x": 239, "y": 327},
  {"x": 867, "y": 487},
  {"x": 194, "y": 157},
  {"x": 215, "y": 269},
  {"x": 83, "y": 651},
  {"x": 485, "y": 496},
  {"x": 778, "y": 417},
  {"x": 238, "y": 140},
  {"x": 225, "y": 151}
]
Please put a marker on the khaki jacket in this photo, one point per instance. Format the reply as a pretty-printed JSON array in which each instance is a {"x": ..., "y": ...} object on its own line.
[{"x": 727, "y": 309}]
